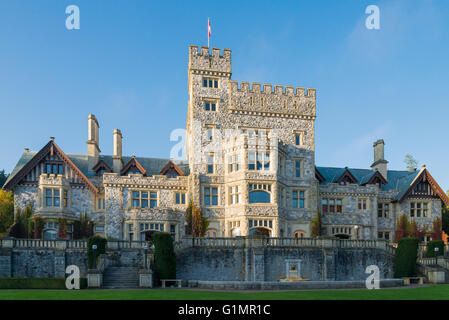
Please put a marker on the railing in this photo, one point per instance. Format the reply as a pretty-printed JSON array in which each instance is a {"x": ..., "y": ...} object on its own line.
[
  {"x": 37, "y": 243},
  {"x": 241, "y": 242}
]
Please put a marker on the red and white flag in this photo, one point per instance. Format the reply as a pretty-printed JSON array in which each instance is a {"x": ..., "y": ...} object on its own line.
[{"x": 209, "y": 31}]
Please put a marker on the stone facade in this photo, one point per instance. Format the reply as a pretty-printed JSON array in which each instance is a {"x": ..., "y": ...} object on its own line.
[{"x": 251, "y": 168}]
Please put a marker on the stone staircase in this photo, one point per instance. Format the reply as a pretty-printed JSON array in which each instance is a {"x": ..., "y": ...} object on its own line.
[{"x": 120, "y": 277}]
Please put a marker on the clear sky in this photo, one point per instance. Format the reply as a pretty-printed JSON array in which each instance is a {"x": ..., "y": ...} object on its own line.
[{"x": 128, "y": 65}]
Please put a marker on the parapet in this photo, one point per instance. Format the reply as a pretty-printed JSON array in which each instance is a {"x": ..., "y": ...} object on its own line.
[
  {"x": 281, "y": 100},
  {"x": 211, "y": 62}
]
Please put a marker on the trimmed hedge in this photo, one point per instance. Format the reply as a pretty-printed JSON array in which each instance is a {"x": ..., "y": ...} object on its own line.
[
  {"x": 37, "y": 283},
  {"x": 101, "y": 248},
  {"x": 405, "y": 258},
  {"x": 164, "y": 256},
  {"x": 431, "y": 245}
]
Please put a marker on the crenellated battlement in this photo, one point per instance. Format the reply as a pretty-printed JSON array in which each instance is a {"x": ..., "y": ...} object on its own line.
[
  {"x": 204, "y": 60},
  {"x": 272, "y": 99},
  {"x": 268, "y": 89}
]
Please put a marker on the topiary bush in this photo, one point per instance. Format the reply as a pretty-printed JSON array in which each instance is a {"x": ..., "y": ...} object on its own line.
[
  {"x": 164, "y": 256},
  {"x": 405, "y": 258},
  {"x": 430, "y": 253},
  {"x": 101, "y": 248}
]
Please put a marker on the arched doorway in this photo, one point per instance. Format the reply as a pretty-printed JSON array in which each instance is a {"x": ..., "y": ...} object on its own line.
[
  {"x": 259, "y": 232},
  {"x": 299, "y": 234}
]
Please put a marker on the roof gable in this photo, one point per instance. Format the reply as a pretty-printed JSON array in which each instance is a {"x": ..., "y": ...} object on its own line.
[
  {"x": 425, "y": 176},
  {"x": 102, "y": 165},
  {"x": 346, "y": 176},
  {"x": 50, "y": 148},
  {"x": 171, "y": 166},
  {"x": 133, "y": 163}
]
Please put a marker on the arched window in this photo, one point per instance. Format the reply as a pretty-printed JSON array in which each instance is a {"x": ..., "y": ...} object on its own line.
[
  {"x": 211, "y": 233},
  {"x": 259, "y": 232},
  {"x": 50, "y": 234},
  {"x": 259, "y": 196},
  {"x": 299, "y": 234}
]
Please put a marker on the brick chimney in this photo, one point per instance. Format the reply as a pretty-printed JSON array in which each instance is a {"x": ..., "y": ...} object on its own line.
[{"x": 380, "y": 163}]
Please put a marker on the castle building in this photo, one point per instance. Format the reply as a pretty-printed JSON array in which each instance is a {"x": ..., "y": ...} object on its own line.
[{"x": 250, "y": 166}]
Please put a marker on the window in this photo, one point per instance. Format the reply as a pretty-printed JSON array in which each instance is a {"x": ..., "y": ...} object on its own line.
[
  {"x": 383, "y": 235},
  {"x": 180, "y": 198},
  {"x": 260, "y": 223},
  {"x": 52, "y": 197},
  {"x": 235, "y": 194},
  {"x": 258, "y": 160},
  {"x": 331, "y": 205},
  {"x": 210, "y": 163},
  {"x": 99, "y": 231},
  {"x": 210, "y": 83},
  {"x": 144, "y": 227},
  {"x": 362, "y": 204},
  {"x": 299, "y": 234},
  {"x": 259, "y": 193},
  {"x": 54, "y": 168},
  {"x": 419, "y": 209},
  {"x": 210, "y": 133},
  {"x": 253, "y": 133},
  {"x": 141, "y": 199},
  {"x": 234, "y": 163},
  {"x": 298, "y": 168},
  {"x": 211, "y": 196},
  {"x": 131, "y": 231},
  {"x": 298, "y": 199},
  {"x": 100, "y": 203},
  {"x": 383, "y": 210},
  {"x": 210, "y": 106},
  {"x": 211, "y": 233},
  {"x": 298, "y": 138}
]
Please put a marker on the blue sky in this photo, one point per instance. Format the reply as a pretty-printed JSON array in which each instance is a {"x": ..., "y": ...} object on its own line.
[{"x": 128, "y": 65}]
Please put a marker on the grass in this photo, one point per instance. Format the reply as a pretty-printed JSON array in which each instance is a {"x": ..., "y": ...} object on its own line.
[{"x": 434, "y": 292}]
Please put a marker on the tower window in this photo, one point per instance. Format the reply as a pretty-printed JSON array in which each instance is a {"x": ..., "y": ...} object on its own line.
[
  {"x": 210, "y": 106},
  {"x": 210, "y": 83},
  {"x": 298, "y": 139}
]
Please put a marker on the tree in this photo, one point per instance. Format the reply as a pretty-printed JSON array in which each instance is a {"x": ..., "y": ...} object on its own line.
[
  {"x": 410, "y": 162},
  {"x": 196, "y": 223},
  {"x": 316, "y": 225},
  {"x": 402, "y": 227},
  {"x": 3, "y": 177},
  {"x": 445, "y": 219},
  {"x": 6, "y": 210},
  {"x": 436, "y": 230}
]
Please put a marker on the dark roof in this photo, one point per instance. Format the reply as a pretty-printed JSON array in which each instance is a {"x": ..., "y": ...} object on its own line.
[
  {"x": 153, "y": 166},
  {"x": 396, "y": 180}
]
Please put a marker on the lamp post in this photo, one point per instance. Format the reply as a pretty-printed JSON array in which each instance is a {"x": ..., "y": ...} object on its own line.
[
  {"x": 94, "y": 248},
  {"x": 436, "y": 254},
  {"x": 145, "y": 250}
]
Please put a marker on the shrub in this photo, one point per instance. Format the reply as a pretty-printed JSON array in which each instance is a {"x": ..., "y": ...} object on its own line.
[
  {"x": 164, "y": 256},
  {"x": 316, "y": 225},
  {"x": 431, "y": 248},
  {"x": 405, "y": 258},
  {"x": 37, "y": 283},
  {"x": 101, "y": 248}
]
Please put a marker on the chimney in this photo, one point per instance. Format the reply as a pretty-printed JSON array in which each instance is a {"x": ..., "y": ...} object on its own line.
[
  {"x": 93, "y": 142},
  {"x": 117, "y": 157},
  {"x": 379, "y": 163}
]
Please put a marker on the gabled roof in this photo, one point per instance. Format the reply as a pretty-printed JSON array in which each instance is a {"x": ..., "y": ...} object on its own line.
[
  {"x": 424, "y": 175},
  {"x": 102, "y": 165},
  {"x": 401, "y": 181},
  {"x": 23, "y": 168},
  {"x": 171, "y": 165},
  {"x": 346, "y": 175},
  {"x": 133, "y": 163}
]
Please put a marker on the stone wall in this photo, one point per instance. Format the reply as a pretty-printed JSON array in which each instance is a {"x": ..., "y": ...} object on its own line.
[{"x": 269, "y": 264}]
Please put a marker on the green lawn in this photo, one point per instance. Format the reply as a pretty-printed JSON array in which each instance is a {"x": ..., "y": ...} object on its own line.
[{"x": 435, "y": 292}]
